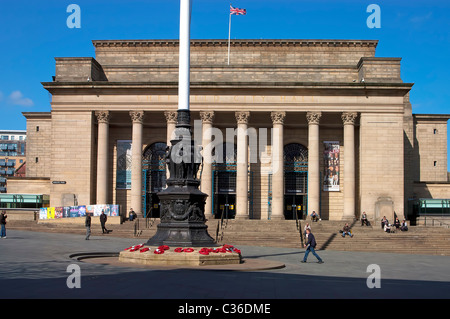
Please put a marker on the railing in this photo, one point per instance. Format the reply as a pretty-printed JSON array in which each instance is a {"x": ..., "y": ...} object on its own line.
[
  {"x": 299, "y": 228},
  {"x": 222, "y": 224},
  {"x": 137, "y": 231},
  {"x": 434, "y": 221}
]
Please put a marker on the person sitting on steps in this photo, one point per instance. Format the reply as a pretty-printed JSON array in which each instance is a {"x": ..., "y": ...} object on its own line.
[{"x": 346, "y": 230}]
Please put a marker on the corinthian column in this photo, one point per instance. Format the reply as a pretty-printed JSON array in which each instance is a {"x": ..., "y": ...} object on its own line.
[
  {"x": 349, "y": 164},
  {"x": 206, "y": 182},
  {"x": 242, "y": 165},
  {"x": 277, "y": 164},
  {"x": 313, "y": 162},
  {"x": 137, "y": 117},
  {"x": 103, "y": 118},
  {"x": 171, "y": 118}
]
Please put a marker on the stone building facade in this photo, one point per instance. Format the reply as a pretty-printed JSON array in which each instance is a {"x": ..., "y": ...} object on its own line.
[{"x": 337, "y": 121}]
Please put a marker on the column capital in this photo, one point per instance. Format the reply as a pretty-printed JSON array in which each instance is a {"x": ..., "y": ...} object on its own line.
[
  {"x": 349, "y": 117},
  {"x": 313, "y": 117},
  {"x": 207, "y": 117},
  {"x": 137, "y": 116},
  {"x": 171, "y": 117},
  {"x": 278, "y": 117},
  {"x": 103, "y": 116},
  {"x": 242, "y": 117}
]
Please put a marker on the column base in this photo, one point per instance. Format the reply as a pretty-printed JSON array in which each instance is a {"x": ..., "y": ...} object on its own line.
[{"x": 277, "y": 217}]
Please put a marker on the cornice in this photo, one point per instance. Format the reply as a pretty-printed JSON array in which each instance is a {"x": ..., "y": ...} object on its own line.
[
  {"x": 243, "y": 43},
  {"x": 227, "y": 85}
]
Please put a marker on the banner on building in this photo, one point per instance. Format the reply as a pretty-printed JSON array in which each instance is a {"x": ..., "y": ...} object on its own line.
[
  {"x": 78, "y": 211},
  {"x": 43, "y": 213},
  {"x": 51, "y": 213},
  {"x": 59, "y": 212},
  {"x": 123, "y": 175},
  {"x": 331, "y": 176}
]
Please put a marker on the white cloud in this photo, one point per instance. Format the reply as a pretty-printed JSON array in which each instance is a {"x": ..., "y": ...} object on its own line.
[
  {"x": 421, "y": 19},
  {"x": 17, "y": 98}
]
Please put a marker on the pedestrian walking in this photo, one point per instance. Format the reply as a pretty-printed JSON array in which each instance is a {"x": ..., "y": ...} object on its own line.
[
  {"x": 103, "y": 219},
  {"x": 87, "y": 223},
  {"x": 3, "y": 217},
  {"x": 310, "y": 246}
]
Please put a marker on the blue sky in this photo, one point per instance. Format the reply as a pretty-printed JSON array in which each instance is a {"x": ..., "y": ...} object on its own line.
[{"x": 33, "y": 32}]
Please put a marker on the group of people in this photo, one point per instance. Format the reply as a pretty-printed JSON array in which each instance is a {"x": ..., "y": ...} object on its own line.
[
  {"x": 103, "y": 219},
  {"x": 403, "y": 226},
  {"x": 87, "y": 223},
  {"x": 311, "y": 241},
  {"x": 385, "y": 225}
]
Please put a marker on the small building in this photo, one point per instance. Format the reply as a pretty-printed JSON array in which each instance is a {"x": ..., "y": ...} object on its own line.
[{"x": 12, "y": 154}]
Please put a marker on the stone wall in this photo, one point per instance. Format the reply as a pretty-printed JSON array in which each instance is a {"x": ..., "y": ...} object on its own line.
[
  {"x": 38, "y": 152},
  {"x": 431, "y": 147},
  {"x": 78, "y": 70},
  {"x": 250, "y": 60},
  {"x": 29, "y": 185},
  {"x": 381, "y": 163},
  {"x": 73, "y": 155}
]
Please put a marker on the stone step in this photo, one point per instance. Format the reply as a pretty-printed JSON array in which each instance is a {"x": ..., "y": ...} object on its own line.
[{"x": 283, "y": 233}]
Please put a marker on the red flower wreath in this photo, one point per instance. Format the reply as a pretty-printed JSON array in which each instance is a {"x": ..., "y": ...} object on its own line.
[
  {"x": 163, "y": 247},
  {"x": 205, "y": 251},
  {"x": 178, "y": 250},
  {"x": 188, "y": 250},
  {"x": 159, "y": 251},
  {"x": 144, "y": 249},
  {"x": 134, "y": 248}
]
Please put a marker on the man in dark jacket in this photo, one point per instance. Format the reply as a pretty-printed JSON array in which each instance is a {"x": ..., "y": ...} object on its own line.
[
  {"x": 310, "y": 245},
  {"x": 87, "y": 223},
  {"x": 3, "y": 217},
  {"x": 103, "y": 219}
]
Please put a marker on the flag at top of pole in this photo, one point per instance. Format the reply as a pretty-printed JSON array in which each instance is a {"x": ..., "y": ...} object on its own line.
[
  {"x": 237, "y": 11},
  {"x": 233, "y": 11}
]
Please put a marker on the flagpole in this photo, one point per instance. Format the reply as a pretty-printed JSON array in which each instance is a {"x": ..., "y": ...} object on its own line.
[
  {"x": 185, "y": 52},
  {"x": 229, "y": 39}
]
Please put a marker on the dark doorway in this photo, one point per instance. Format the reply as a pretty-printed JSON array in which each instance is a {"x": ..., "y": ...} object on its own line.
[
  {"x": 295, "y": 181},
  {"x": 295, "y": 204},
  {"x": 225, "y": 205},
  {"x": 154, "y": 171}
]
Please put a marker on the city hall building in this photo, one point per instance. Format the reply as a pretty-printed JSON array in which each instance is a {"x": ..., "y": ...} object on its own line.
[{"x": 334, "y": 118}]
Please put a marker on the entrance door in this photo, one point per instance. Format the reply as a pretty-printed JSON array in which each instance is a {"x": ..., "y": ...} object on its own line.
[
  {"x": 225, "y": 205},
  {"x": 153, "y": 206},
  {"x": 295, "y": 181},
  {"x": 294, "y": 204},
  {"x": 224, "y": 190},
  {"x": 154, "y": 179}
]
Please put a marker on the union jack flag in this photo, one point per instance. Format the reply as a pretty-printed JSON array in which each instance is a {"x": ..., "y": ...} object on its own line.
[{"x": 237, "y": 11}]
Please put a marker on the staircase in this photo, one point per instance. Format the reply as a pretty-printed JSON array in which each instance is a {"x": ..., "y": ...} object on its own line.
[
  {"x": 281, "y": 233},
  {"x": 284, "y": 233},
  {"x": 134, "y": 229}
]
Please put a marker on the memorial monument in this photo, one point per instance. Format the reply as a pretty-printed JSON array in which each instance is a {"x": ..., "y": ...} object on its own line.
[{"x": 182, "y": 203}]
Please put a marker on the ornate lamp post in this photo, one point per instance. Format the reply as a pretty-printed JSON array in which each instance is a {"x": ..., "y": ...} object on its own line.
[{"x": 182, "y": 203}]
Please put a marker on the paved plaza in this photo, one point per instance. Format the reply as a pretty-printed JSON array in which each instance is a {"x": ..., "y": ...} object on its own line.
[{"x": 34, "y": 265}]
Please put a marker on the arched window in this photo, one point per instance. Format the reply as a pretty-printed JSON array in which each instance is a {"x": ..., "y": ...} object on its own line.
[
  {"x": 154, "y": 175},
  {"x": 295, "y": 157},
  {"x": 295, "y": 180}
]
